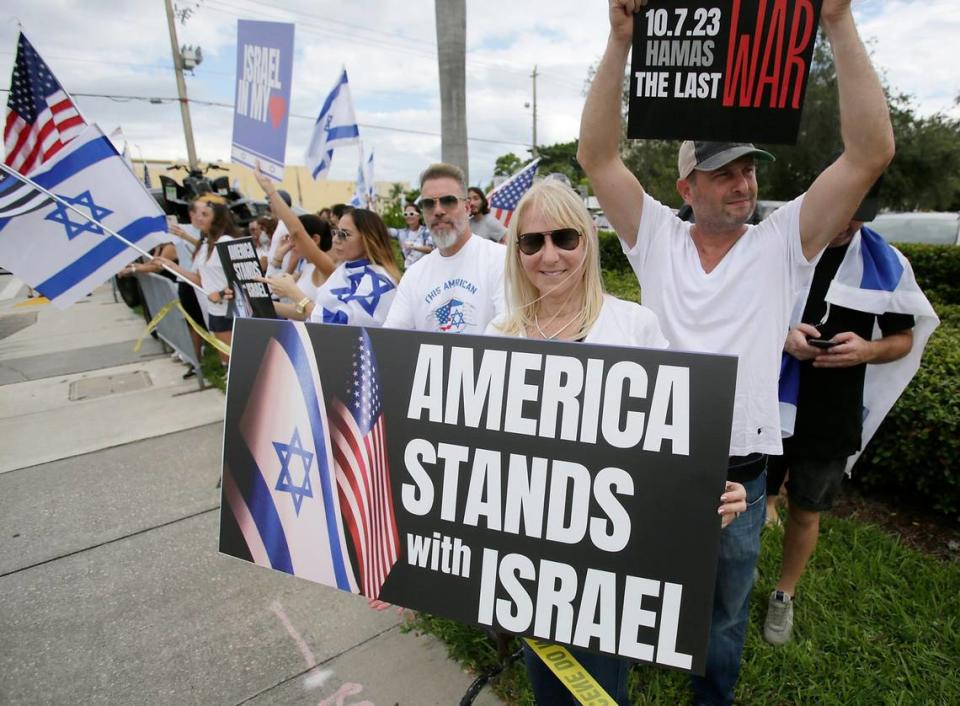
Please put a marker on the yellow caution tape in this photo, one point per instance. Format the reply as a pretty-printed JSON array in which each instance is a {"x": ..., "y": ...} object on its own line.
[
  {"x": 569, "y": 671},
  {"x": 205, "y": 335}
]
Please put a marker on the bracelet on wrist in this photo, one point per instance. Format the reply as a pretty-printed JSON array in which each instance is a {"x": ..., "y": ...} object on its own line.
[{"x": 302, "y": 305}]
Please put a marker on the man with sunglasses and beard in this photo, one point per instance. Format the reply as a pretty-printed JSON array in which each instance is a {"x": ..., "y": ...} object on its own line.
[
  {"x": 457, "y": 288},
  {"x": 722, "y": 286}
]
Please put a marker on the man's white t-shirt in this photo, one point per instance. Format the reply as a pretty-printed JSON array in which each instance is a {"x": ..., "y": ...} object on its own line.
[
  {"x": 461, "y": 293},
  {"x": 740, "y": 308}
]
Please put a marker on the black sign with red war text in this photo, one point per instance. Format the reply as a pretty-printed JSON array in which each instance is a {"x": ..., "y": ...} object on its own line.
[
  {"x": 723, "y": 70},
  {"x": 562, "y": 491}
]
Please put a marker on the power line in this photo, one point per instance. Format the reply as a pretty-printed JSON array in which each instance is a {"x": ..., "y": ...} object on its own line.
[
  {"x": 156, "y": 100},
  {"x": 379, "y": 40}
]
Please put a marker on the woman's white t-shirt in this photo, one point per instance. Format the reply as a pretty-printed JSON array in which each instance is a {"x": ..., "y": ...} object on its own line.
[{"x": 212, "y": 276}]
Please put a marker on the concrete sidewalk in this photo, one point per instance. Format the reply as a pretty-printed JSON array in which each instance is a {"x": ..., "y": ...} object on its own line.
[{"x": 113, "y": 589}]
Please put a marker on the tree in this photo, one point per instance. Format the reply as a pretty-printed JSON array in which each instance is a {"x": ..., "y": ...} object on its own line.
[
  {"x": 507, "y": 164},
  {"x": 451, "y": 53}
]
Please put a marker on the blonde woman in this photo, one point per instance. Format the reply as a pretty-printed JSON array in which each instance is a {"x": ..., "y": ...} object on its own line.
[{"x": 554, "y": 292}]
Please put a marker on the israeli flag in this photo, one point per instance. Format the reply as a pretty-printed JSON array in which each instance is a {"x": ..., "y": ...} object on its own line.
[
  {"x": 56, "y": 250},
  {"x": 359, "y": 199},
  {"x": 876, "y": 278},
  {"x": 368, "y": 177},
  {"x": 336, "y": 126},
  {"x": 280, "y": 481}
]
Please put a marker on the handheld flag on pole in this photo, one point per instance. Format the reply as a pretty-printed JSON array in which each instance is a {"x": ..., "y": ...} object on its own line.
[
  {"x": 504, "y": 199},
  {"x": 336, "y": 126},
  {"x": 359, "y": 199},
  {"x": 77, "y": 221},
  {"x": 41, "y": 117},
  {"x": 368, "y": 177}
]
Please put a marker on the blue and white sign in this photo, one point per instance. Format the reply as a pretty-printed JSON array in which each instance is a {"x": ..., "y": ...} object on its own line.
[{"x": 262, "y": 102}]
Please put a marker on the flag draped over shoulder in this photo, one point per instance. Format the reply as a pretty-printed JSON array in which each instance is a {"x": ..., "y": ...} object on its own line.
[
  {"x": 876, "y": 278},
  {"x": 280, "y": 482},
  {"x": 335, "y": 127},
  {"x": 504, "y": 199},
  {"x": 41, "y": 117},
  {"x": 363, "y": 474},
  {"x": 56, "y": 250}
]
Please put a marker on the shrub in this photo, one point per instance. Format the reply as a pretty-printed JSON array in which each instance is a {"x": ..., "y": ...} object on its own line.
[
  {"x": 611, "y": 254},
  {"x": 914, "y": 453},
  {"x": 937, "y": 268}
]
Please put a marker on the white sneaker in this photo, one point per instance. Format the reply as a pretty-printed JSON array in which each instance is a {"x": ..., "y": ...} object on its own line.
[{"x": 778, "y": 627}]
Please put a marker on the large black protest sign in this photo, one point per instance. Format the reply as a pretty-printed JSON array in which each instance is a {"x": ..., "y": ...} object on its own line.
[
  {"x": 725, "y": 70},
  {"x": 241, "y": 265},
  {"x": 562, "y": 491}
]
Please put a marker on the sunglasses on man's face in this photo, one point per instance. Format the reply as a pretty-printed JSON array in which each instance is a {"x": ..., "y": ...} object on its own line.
[
  {"x": 562, "y": 238},
  {"x": 449, "y": 201}
]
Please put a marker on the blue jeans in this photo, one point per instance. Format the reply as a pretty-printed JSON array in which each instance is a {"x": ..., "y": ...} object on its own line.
[
  {"x": 610, "y": 673},
  {"x": 739, "y": 550}
]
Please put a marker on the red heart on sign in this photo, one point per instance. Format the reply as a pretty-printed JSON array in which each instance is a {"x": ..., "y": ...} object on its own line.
[{"x": 278, "y": 110}]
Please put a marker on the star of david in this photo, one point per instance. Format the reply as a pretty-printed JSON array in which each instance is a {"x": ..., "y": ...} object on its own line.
[
  {"x": 456, "y": 319},
  {"x": 61, "y": 215},
  {"x": 379, "y": 285},
  {"x": 285, "y": 483}
]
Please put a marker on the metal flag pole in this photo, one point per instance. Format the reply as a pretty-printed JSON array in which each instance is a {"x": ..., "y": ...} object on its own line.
[{"x": 27, "y": 180}]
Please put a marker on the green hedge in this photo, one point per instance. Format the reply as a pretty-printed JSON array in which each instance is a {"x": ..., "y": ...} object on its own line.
[
  {"x": 937, "y": 268},
  {"x": 916, "y": 451}
]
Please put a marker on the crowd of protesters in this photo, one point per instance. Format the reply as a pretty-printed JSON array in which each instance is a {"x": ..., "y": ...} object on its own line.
[{"x": 706, "y": 284}]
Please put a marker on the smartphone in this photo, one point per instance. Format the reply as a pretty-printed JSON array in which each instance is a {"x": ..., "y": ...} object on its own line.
[{"x": 821, "y": 342}]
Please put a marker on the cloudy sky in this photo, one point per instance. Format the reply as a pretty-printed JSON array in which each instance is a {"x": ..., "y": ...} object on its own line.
[{"x": 389, "y": 50}]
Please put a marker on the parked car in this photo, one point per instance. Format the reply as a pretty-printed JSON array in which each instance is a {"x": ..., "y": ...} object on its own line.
[{"x": 936, "y": 228}]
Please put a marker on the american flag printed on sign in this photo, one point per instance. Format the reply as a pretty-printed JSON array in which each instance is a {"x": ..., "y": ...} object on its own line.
[
  {"x": 504, "y": 199},
  {"x": 363, "y": 474},
  {"x": 41, "y": 117}
]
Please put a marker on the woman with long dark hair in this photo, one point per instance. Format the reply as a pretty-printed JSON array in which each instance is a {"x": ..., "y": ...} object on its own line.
[
  {"x": 358, "y": 290},
  {"x": 208, "y": 272}
]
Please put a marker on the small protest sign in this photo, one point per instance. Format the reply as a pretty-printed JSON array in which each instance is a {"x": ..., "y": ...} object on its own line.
[
  {"x": 262, "y": 98},
  {"x": 722, "y": 70},
  {"x": 241, "y": 265},
  {"x": 561, "y": 491}
]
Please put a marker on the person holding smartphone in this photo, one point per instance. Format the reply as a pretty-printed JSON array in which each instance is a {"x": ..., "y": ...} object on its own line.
[{"x": 833, "y": 344}]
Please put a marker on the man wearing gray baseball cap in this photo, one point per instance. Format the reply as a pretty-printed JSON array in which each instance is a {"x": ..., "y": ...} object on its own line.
[{"x": 720, "y": 285}]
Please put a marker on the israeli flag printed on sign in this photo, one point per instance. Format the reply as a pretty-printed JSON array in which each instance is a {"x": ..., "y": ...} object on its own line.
[
  {"x": 281, "y": 486},
  {"x": 335, "y": 127},
  {"x": 59, "y": 252}
]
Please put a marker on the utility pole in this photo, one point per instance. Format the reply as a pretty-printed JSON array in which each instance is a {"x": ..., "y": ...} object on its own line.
[
  {"x": 181, "y": 87},
  {"x": 534, "y": 77}
]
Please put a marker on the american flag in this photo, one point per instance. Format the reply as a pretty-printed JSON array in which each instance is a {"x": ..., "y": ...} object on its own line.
[
  {"x": 504, "y": 199},
  {"x": 41, "y": 117},
  {"x": 363, "y": 475}
]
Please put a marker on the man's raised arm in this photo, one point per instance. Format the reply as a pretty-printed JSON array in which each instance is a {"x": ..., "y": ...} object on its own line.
[
  {"x": 617, "y": 189},
  {"x": 865, "y": 127}
]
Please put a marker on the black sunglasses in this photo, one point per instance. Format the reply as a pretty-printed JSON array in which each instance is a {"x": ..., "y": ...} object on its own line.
[
  {"x": 562, "y": 238},
  {"x": 449, "y": 201}
]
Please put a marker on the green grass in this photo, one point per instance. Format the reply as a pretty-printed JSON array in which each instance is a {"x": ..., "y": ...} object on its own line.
[
  {"x": 213, "y": 373},
  {"x": 876, "y": 623}
]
